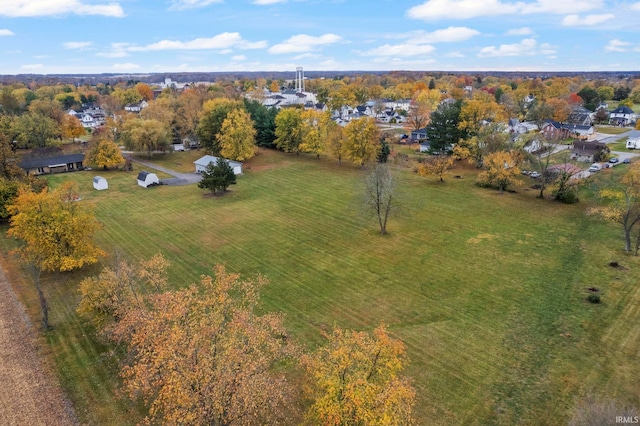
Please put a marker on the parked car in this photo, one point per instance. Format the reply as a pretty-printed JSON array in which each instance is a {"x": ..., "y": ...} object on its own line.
[
  {"x": 595, "y": 167},
  {"x": 534, "y": 175},
  {"x": 614, "y": 160},
  {"x": 627, "y": 160}
]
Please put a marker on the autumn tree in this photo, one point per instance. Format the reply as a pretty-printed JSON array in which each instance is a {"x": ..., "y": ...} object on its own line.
[
  {"x": 236, "y": 138},
  {"x": 540, "y": 158},
  {"x": 361, "y": 140},
  {"x": 289, "y": 130},
  {"x": 356, "y": 380},
  {"x": 475, "y": 112},
  {"x": 104, "y": 153},
  {"x": 490, "y": 139},
  {"x": 142, "y": 135},
  {"x": 423, "y": 103},
  {"x": 621, "y": 201},
  {"x": 437, "y": 165},
  {"x": 314, "y": 130},
  {"x": 145, "y": 91},
  {"x": 214, "y": 113},
  {"x": 334, "y": 142},
  {"x": 72, "y": 127},
  {"x": 57, "y": 233},
  {"x": 203, "y": 355},
  {"x": 36, "y": 130},
  {"x": 501, "y": 169}
]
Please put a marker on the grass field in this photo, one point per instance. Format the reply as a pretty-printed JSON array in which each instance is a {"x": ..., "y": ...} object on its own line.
[{"x": 486, "y": 290}]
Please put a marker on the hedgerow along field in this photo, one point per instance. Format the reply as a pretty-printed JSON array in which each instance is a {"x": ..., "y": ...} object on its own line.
[{"x": 486, "y": 290}]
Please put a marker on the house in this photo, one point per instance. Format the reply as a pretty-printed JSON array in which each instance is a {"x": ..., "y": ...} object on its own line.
[
  {"x": 580, "y": 131},
  {"x": 419, "y": 134},
  {"x": 137, "y": 107},
  {"x": 52, "y": 164},
  {"x": 202, "y": 163},
  {"x": 100, "y": 183},
  {"x": 588, "y": 151},
  {"x": 147, "y": 179},
  {"x": 621, "y": 116},
  {"x": 580, "y": 116}
]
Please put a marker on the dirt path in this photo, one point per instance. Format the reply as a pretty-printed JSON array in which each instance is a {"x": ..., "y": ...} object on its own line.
[{"x": 29, "y": 395}]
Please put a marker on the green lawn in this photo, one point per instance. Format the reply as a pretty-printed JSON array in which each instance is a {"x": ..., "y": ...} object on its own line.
[
  {"x": 608, "y": 130},
  {"x": 486, "y": 290}
]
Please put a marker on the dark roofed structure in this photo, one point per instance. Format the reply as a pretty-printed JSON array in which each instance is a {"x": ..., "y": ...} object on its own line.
[{"x": 52, "y": 164}]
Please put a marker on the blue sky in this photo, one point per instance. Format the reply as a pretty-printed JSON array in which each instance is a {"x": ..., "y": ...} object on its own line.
[{"x": 142, "y": 36}]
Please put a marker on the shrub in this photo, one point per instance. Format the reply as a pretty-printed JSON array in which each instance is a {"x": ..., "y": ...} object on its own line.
[{"x": 593, "y": 298}]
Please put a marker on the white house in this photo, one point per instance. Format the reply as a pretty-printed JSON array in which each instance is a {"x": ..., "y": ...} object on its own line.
[
  {"x": 146, "y": 179},
  {"x": 100, "y": 183},
  {"x": 202, "y": 163}
]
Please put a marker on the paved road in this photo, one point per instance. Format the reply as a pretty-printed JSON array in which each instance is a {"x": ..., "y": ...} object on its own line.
[{"x": 178, "y": 178}]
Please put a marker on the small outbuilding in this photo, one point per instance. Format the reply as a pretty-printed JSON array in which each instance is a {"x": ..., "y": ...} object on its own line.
[
  {"x": 202, "y": 163},
  {"x": 100, "y": 183},
  {"x": 146, "y": 179}
]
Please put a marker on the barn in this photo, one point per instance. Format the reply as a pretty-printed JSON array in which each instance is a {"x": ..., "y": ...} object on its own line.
[
  {"x": 100, "y": 183},
  {"x": 202, "y": 163},
  {"x": 146, "y": 179}
]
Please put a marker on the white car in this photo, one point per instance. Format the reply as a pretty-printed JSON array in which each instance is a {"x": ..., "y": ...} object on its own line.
[
  {"x": 595, "y": 167},
  {"x": 534, "y": 175}
]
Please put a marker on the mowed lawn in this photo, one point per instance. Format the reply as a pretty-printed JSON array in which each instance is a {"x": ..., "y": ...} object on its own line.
[{"x": 486, "y": 290}]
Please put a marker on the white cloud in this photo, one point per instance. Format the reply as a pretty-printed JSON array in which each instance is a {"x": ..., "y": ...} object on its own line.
[
  {"x": 635, "y": 6},
  {"x": 5, "y": 32},
  {"x": 191, "y": 4},
  {"x": 526, "y": 47},
  {"x": 31, "y": 67},
  {"x": 239, "y": 58},
  {"x": 520, "y": 31},
  {"x": 447, "y": 35},
  {"x": 401, "y": 50},
  {"x": 222, "y": 42},
  {"x": 125, "y": 67},
  {"x": 454, "y": 55},
  {"x": 31, "y": 8},
  {"x": 267, "y": 2},
  {"x": 77, "y": 45},
  {"x": 616, "y": 45},
  {"x": 589, "y": 20},
  {"x": 465, "y": 9},
  {"x": 118, "y": 50},
  {"x": 302, "y": 43}
]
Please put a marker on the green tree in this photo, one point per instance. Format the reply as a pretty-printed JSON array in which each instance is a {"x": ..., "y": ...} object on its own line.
[
  {"x": 590, "y": 97},
  {"x": 443, "y": 130},
  {"x": 264, "y": 121},
  {"x": 36, "y": 130},
  {"x": 356, "y": 380},
  {"x": 215, "y": 112},
  {"x": 361, "y": 140},
  {"x": 236, "y": 138},
  {"x": 142, "y": 135},
  {"x": 217, "y": 176},
  {"x": 289, "y": 130}
]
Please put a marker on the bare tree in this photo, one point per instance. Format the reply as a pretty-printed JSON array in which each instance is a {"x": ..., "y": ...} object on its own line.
[{"x": 380, "y": 194}]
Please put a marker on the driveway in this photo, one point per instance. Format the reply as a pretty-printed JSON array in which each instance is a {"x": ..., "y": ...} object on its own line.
[{"x": 177, "y": 179}]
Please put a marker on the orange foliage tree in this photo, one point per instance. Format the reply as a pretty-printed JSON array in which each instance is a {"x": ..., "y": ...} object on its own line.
[{"x": 202, "y": 355}]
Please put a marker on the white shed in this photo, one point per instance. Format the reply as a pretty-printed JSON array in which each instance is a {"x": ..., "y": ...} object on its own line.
[
  {"x": 146, "y": 179},
  {"x": 202, "y": 163},
  {"x": 100, "y": 183}
]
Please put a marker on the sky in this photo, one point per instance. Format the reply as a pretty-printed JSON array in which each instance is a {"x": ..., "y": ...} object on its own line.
[{"x": 146, "y": 36}]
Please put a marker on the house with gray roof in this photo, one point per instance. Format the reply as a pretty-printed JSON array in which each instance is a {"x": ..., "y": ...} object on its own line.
[{"x": 52, "y": 164}]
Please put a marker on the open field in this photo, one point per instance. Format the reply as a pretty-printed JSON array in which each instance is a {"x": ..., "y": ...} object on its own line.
[{"x": 487, "y": 290}]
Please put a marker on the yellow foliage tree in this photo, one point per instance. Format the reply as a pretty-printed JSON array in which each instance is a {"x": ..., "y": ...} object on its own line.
[
  {"x": 289, "y": 130},
  {"x": 105, "y": 153},
  {"x": 436, "y": 166},
  {"x": 476, "y": 111},
  {"x": 502, "y": 169},
  {"x": 237, "y": 137},
  {"x": 57, "y": 231},
  {"x": 203, "y": 356},
  {"x": 355, "y": 380},
  {"x": 361, "y": 140},
  {"x": 72, "y": 127},
  {"x": 622, "y": 202},
  {"x": 314, "y": 132}
]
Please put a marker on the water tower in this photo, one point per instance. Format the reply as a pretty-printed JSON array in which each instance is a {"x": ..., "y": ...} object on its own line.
[{"x": 299, "y": 80}]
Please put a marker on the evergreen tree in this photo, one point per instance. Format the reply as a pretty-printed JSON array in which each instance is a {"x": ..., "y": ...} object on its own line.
[
  {"x": 217, "y": 176},
  {"x": 443, "y": 129}
]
